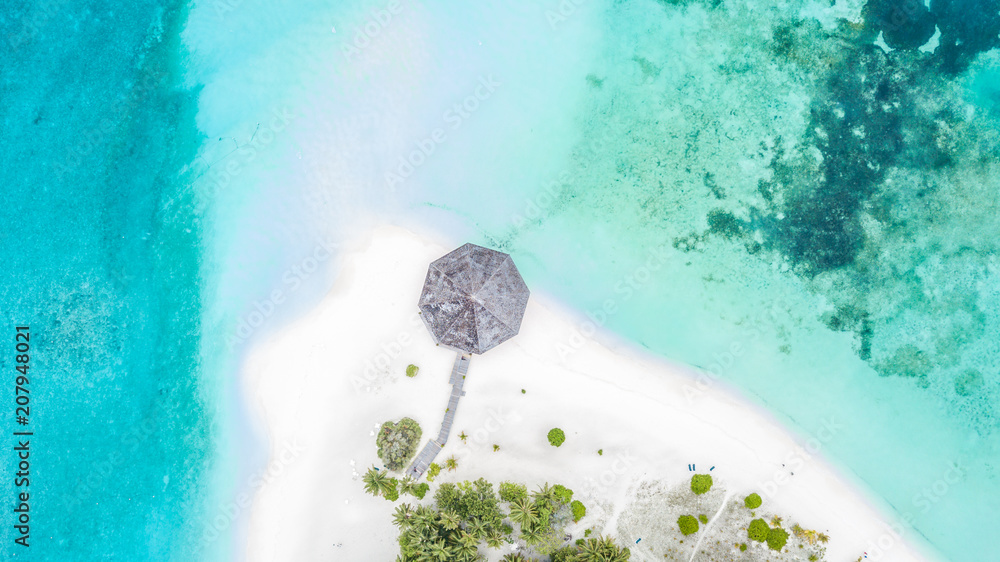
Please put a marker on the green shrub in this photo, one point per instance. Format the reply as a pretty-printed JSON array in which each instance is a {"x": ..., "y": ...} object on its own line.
[
  {"x": 743, "y": 547},
  {"x": 563, "y": 494},
  {"x": 420, "y": 490},
  {"x": 703, "y": 518},
  {"x": 758, "y": 529},
  {"x": 411, "y": 370},
  {"x": 391, "y": 492},
  {"x": 600, "y": 452},
  {"x": 753, "y": 501},
  {"x": 523, "y": 391},
  {"x": 579, "y": 510},
  {"x": 470, "y": 500},
  {"x": 433, "y": 470},
  {"x": 511, "y": 492},
  {"x": 688, "y": 524},
  {"x": 556, "y": 437},
  {"x": 580, "y": 542},
  {"x": 776, "y": 539},
  {"x": 397, "y": 442},
  {"x": 701, "y": 483}
]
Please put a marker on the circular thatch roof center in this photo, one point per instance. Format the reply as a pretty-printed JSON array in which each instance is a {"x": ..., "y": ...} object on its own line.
[{"x": 473, "y": 299}]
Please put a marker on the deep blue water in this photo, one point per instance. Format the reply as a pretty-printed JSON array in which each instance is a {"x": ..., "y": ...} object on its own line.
[{"x": 95, "y": 133}]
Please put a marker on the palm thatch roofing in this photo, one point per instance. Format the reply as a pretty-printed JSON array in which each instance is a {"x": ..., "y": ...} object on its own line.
[{"x": 473, "y": 299}]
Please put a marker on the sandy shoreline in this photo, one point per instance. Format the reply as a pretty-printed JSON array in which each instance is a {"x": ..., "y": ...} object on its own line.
[{"x": 326, "y": 382}]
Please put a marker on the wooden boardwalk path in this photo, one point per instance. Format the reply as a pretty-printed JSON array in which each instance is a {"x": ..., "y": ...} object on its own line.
[{"x": 433, "y": 447}]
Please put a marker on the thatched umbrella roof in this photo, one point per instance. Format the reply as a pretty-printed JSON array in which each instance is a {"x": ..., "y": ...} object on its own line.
[{"x": 473, "y": 299}]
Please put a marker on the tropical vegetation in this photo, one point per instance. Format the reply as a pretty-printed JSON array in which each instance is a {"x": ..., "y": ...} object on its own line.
[
  {"x": 701, "y": 483},
  {"x": 468, "y": 516},
  {"x": 556, "y": 437},
  {"x": 397, "y": 442},
  {"x": 776, "y": 538},
  {"x": 687, "y": 524},
  {"x": 758, "y": 529}
]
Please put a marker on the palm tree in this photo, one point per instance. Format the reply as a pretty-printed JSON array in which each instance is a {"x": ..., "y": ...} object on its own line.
[
  {"x": 514, "y": 557},
  {"x": 476, "y": 528},
  {"x": 450, "y": 520},
  {"x": 439, "y": 551},
  {"x": 407, "y": 485},
  {"x": 532, "y": 534},
  {"x": 375, "y": 481},
  {"x": 494, "y": 538},
  {"x": 463, "y": 436},
  {"x": 466, "y": 548},
  {"x": 603, "y": 549},
  {"x": 451, "y": 463},
  {"x": 545, "y": 493},
  {"x": 822, "y": 537},
  {"x": 523, "y": 512},
  {"x": 403, "y": 516},
  {"x": 424, "y": 515},
  {"x": 386, "y": 484},
  {"x": 590, "y": 550}
]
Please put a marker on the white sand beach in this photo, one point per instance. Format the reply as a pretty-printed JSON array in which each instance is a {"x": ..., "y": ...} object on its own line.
[{"x": 323, "y": 385}]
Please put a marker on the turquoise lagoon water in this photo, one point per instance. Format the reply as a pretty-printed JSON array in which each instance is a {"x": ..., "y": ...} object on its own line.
[{"x": 824, "y": 204}]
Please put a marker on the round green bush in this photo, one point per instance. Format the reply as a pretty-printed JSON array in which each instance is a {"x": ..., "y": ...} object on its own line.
[
  {"x": 563, "y": 494},
  {"x": 421, "y": 490},
  {"x": 411, "y": 370},
  {"x": 776, "y": 538},
  {"x": 743, "y": 547},
  {"x": 579, "y": 510},
  {"x": 703, "y": 518},
  {"x": 688, "y": 524},
  {"x": 397, "y": 442},
  {"x": 758, "y": 529},
  {"x": 556, "y": 437},
  {"x": 752, "y": 501},
  {"x": 701, "y": 483}
]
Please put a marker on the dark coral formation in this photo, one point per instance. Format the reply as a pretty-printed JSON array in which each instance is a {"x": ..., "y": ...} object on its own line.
[{"x": 967, "y": 27}]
